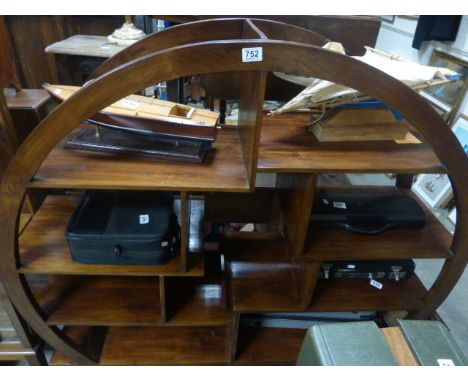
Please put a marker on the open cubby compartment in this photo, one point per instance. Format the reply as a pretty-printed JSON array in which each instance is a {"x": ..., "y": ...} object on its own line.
[
  {"x": 287, "y": 146},
  {"x": 44, "y": 249},
  {"x": 268, "y": 346},
  {"x": 260, "y": 275},
  {"x": 333, "y": 244},
  {"x": 133, "y": 345},
  {"x": 259, "y": 207},
  {"x": 197, "y": 301},
  {"x": 99, "y": 300}
]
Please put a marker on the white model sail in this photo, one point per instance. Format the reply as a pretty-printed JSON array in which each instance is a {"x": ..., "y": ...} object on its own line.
[{"x": 325, "y": 93}]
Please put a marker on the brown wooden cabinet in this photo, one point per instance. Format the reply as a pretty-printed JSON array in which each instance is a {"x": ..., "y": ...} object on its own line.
[{"x": 188, "y": 311}]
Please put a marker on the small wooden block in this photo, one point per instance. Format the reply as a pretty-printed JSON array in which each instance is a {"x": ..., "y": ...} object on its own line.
[{"x": 360, "y": 125}]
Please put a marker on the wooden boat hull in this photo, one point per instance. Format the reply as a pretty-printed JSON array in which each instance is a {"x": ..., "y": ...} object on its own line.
[
  {"x": 146, "y": 116},
  {"x": 145, "y": 126}
]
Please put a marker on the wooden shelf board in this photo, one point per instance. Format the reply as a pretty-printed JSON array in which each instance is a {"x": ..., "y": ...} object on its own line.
[
  {"x": 269, "y": 346},
  {"x": 257, "y": 346},
  {"x": 351, "y": 295},
  {"x": 98, "y": 301},
  {"x": 165, "y": 346},
  {"x": 44, "y": 249},
  {"x": 286, "y": 146},
  {"x": 222, "y": 170},
  {"x": 432, "y": 241}
]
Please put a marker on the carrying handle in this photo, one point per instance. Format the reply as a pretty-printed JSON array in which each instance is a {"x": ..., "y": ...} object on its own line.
[{"x": 367, "y": 230}]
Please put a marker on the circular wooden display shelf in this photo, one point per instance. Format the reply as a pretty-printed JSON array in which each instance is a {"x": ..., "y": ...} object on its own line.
[{"x": 215, "y": 50}]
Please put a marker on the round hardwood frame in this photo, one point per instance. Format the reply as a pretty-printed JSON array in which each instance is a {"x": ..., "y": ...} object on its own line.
[{"x": 209, "y": 57}]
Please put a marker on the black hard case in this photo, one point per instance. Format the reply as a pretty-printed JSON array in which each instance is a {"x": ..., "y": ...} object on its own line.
[
  {"x": 124, "y": 227},
  {"x": 365, "y": 211},
  {"x": 365, "y": 269}
]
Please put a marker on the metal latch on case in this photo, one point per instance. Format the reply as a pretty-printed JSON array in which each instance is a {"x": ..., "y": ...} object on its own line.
[
  {"x": 396, "y": 271},
  {"x": 326, "y": 270}
]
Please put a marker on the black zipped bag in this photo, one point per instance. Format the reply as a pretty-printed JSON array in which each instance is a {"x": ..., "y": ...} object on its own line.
[{"x": 124, "y": 227}]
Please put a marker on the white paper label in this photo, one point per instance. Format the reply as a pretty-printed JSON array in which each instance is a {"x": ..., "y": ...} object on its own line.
[
  {"x": 351, "y": 266},
  {"x": 144, "y": 219},
  {"x": 252, "y": 54},
  {"x": 130, "y": 103},
  {"x": 339, "y": 205},
  {"x": 164, "y": 244},
  {"x": 376, "y": 284},
  {"x": 445, "y": 362}
]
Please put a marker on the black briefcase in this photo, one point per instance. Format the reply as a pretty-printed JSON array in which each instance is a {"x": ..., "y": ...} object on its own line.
[
  {"x": 365, "y": 211},
  {"x": 368, "y": 269},
  {"x": 124, "y": 227}
]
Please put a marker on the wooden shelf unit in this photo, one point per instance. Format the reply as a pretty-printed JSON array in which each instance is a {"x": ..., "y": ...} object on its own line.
[{"x": 188, "y": 311}]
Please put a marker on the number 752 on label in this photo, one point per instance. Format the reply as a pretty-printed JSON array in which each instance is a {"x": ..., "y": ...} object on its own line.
[{"x": 252, "y": 54}]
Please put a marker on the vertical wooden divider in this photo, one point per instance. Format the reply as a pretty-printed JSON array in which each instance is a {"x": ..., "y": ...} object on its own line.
[
  {"x": 184, "y": 230},
  {"x": 250, "y": 119},
  {"x": 296, "y": 194},
  {"x": 252, "y": 94},
  {"x": 307, "y": 276},
  {"x": 233, "y": 337},
  {"x": 162, "y": 299}
]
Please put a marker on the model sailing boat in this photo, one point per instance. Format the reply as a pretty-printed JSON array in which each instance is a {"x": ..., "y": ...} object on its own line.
[
  {"x": 145, "y": 126},
  {"x": 342, "y": 114}
]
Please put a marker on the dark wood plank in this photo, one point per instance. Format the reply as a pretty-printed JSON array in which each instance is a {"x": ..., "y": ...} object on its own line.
[
  {"x": 350, "y": 295},
  {"x": 336, "y": 28},
  {"x": 30, "y": 35},
  {"x": 44, "y": 248},
  {"x": 432, "y": 241},
  {"x": 252, "y": 92},
  {"x": 296, "y": 196},
  {"x": 184, "y": 230},
  {"x": 223, "y": 170},
  {"x": 255, "y": 207},
  {"x": 103, "y": 301},
  {"x": 269, "y": 346},
  {"x": 8, "y": 74},
  {"x": 286, "y": 146},
  {"x": 165, "y": 346}
]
